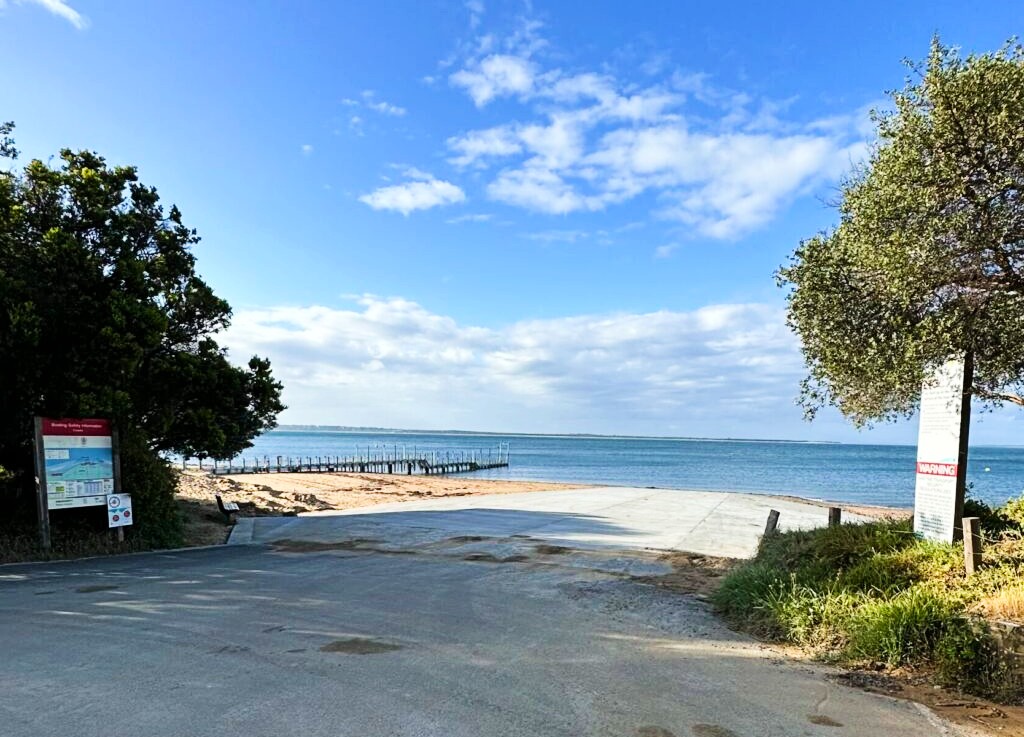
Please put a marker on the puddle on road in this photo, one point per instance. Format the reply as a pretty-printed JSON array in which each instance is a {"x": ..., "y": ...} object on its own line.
[{"x": 359, "y": 646}]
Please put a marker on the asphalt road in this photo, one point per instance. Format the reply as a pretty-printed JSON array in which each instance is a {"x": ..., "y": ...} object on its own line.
[{"x": 417, "y": 636}]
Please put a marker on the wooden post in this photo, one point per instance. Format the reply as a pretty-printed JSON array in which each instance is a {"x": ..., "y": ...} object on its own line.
[
  {"x": 835, "y": 516},
  {"x": 972, "y": 544},
  {"x": 42, "y": 500},
  {"x": 773, "y": 522},
  {"x": 115, "y": 456}
]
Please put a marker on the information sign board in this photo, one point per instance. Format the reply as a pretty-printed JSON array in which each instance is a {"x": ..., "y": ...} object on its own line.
[{"x": 78, "y": 462}]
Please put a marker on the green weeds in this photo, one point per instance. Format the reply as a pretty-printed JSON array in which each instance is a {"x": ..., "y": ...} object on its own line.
[{"x": 876, "y": 593}]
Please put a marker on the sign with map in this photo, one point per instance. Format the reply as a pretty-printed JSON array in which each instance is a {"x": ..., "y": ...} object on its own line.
[
  {"x": 78, "y": 462},
  {"x": 941, "y": 453}
]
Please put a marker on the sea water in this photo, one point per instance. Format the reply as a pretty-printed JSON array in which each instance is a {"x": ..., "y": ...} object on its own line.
[{"x": 866, "y": 474}]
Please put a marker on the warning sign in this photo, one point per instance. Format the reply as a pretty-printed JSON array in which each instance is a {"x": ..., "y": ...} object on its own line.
[
  {"x": 119, "y": 510},
  {"x": 941, "y": 446}
]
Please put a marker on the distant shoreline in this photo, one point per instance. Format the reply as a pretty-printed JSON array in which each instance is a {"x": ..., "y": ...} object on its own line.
[{"x": 346, "y": 430}]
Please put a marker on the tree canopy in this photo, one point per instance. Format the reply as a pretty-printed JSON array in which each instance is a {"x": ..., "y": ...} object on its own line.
[
  {"x": 102, "y": 314},
  {"x": 927, "y": 261}
]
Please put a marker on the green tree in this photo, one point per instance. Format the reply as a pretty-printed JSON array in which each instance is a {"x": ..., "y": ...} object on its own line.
[
  {"x": 102, "y": 314},
  {"x": 927, "y": 261}
]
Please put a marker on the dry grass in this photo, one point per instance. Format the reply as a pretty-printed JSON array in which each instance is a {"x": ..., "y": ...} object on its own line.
[{"x": 1006, "y": 605}]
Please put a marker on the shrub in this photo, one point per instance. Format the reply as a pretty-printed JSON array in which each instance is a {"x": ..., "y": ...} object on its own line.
[
  {"x": 876, "y": 592},
  {"x": 885, "y": 574},
  {"x": 1013, "y": 510},
  {"x": 743, "y": 595},
  {"x": 811, "y": 617},
  {"x": 899, "y": 630}
]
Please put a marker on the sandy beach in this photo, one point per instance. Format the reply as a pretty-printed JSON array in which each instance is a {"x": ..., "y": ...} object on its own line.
[{"x": 294, "y": 493}]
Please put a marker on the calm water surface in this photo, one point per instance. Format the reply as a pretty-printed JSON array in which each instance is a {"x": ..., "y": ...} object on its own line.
[{"x": 869, "y": 474}]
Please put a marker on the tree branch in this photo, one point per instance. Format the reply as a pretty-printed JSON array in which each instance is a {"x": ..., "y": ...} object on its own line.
[{"x": 1000, "y": 396}]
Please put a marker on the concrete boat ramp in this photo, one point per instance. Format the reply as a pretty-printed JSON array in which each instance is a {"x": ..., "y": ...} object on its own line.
[
  {"x": 524, "y": 615},
  {"x": 704, "y": 522}
]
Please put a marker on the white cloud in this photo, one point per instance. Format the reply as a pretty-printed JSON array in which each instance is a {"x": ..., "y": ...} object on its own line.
[
  {"x": 476, "y": 11},
  {"x": 393, "y": 362},
  {"x": 494, "y": 76},
  {"x": 307, "y": 149},
  {"x": 539, "y": 189},
  {"x": 723, "y": 184},
  {"x": 386, "y": 108},
  {"x": 59, "y": 8},
  {"x": 482, "y": 144},
  {"x": 368, "y": 100},
  {"x": 666, "y": 250},
  {"x": 422, "y": 193},
  {"x": 474, "y": 217},
  {"x": 558, "y": 236},
  {"x": 590, "y": 140}
]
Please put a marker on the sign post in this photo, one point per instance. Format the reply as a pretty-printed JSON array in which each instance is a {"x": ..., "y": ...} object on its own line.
[
  {"x": 42, "y": 505},
  {"x": 941, "y": 478}
]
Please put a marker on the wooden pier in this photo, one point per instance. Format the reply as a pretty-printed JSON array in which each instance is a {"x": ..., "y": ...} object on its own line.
[{"x": 392, "y": 461}]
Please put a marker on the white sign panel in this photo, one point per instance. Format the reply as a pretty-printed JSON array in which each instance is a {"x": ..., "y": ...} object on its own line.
[
  {"x": 938, "y": 453},
  {"x": 119, "y": 510}
]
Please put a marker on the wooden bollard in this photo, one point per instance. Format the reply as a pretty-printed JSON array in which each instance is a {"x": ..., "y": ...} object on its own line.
[
  {"x": 773, "y": 522},
  {"x": 835, "y": 516},
  {"x": 972, "y": 544}
]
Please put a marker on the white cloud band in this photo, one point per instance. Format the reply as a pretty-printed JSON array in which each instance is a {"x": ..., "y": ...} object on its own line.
[{"x": 393, "y": 362}]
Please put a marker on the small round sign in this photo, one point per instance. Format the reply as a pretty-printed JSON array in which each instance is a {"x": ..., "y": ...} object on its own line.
[{"x": 114, "y": 502}]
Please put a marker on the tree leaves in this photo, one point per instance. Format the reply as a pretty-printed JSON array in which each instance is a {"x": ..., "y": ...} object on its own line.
[
  {"x": 928, "y": 258},
  {"x": 102, "y": 313}
]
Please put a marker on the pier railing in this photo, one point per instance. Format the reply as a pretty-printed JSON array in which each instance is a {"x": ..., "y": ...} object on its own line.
[{"x": 394, "y": 459}]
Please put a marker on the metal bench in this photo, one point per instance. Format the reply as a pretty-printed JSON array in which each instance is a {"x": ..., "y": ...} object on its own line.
[{"x": 228, "y": 509}]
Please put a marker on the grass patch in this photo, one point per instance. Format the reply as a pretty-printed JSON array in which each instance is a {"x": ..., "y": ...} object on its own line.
[{"x": 874, "y": 593}]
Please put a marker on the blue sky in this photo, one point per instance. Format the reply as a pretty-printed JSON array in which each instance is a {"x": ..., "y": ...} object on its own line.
[{"x": 547, "y": 217}]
